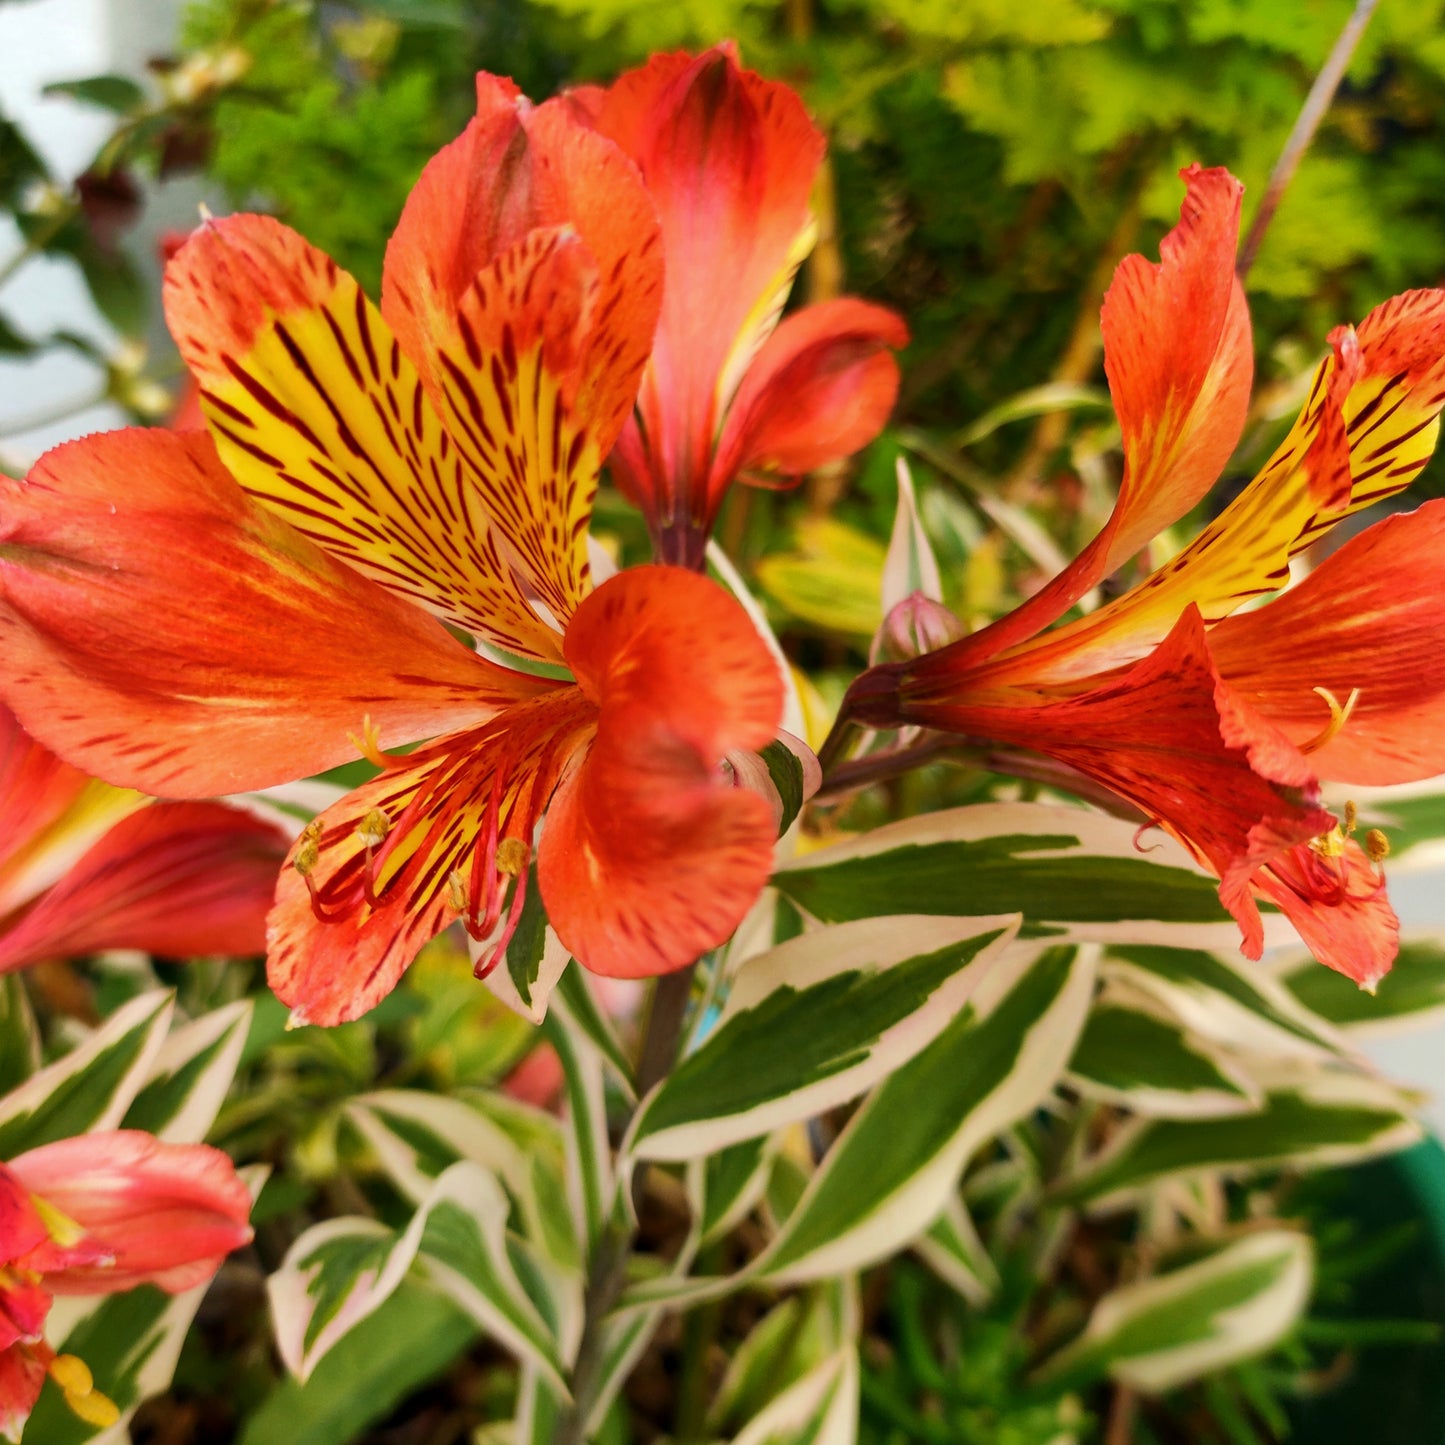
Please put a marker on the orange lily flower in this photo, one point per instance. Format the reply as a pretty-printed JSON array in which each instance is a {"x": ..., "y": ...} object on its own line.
[
  {"x": 85, "y": 866},
  {"x": 730, "y": 160},
  {"x": 1218, "y": 727},
  {"x": 242, "y": 606},
  {"x": 96, "y": 1215}
]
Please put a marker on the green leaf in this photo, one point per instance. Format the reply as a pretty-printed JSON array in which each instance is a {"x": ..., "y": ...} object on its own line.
[
  {"x": 813, "y": 1022},
  {"x": 13, "y": 342},
  {"x": 1149, "y": 1065},
  {"x": 785, "y": 768},
  {"x": 1194, "y": 1321},
  {"x": 117, "y": 93},
  {"x": 411, "y": 1340},
  {"x": 574, "y": 996},
  {"x": 1054, "y": 396},
  {"x": 820, "y": 1408},
  {"x": 1322, "y": 1118},
  {"x": 1411, "y": 995},
  {"x": 191, "y": 1074},
  {"x": 953, "y": 1250},
  {"x": 19, "y": 164},
  {"x": 1066, "y": 870},
  {"x": 19, "y": 1037},
  {"x": 726, "y": 1185},
  {"x": 92, "y": 1086}
]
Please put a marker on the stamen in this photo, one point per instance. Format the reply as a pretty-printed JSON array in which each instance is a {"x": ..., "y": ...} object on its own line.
[
  {"x": 1352, "y": 818},
  {"x": 1339, "y": 716},
  {"x": 73, "y": 1376},
  {"x": 373, "y": 828},
  {"x": 1331, "y": 844},
  {"x": 308, "y": 850},
  {"x": 369, "y": 746},
  {"x": 457, "y": 891},
  {"x": 1377, "y": 846},
  {"x": 513, "y": 855}
]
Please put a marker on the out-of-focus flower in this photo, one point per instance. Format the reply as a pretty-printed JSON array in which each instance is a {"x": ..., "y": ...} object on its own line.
[
  {"x": 432, "y": 462},
  {"x": 92, "y": 1216},
  {"x": 85, "y": 866},
  {"x": 1221, "y": 727},
  {"x": 730, "y": 160}
]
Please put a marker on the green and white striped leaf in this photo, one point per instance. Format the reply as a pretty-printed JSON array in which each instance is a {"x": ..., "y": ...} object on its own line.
[
  {"x": 955, "y": 1253},
  {"x": 793, "y": 1338},
  {"x": 584, "y": 1015},
  {"x": 910, "y": 565},
  {"x": 1311, "y": 1118},
  {"x": 1411, "y": 996},
  {"x": 341, "y": 1271},
  {"x": 591, "y": 1183},
  {"x": 815, "y": 1022},
  {"x": 91, "y": 1088},
  {"x": 464, "y": 1244},
  {"x": 725, "y": 1187},
  {"x": 191, "y": 1074},
  {"x": 820, "y": 1409},
  {"x": 19, "y": 1036},
  {"x": 891, "y": 1172},
  {"x": 533, "y": 963},
  {"x": 1227, "y": 1000},
  {"x": 130, "y": 1341},
  {"x": 1132, "y": 1054},
  {"x": 417, "y": 1136},
  {"x": 894, "y": 1167},
  {"x": 1193, "y": 1321},
  {"x": 1073, "y": 874}
]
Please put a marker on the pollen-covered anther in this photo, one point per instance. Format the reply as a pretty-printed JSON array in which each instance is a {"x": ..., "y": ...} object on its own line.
[
  {"x": 1377, "y": 846},
  {"x": 457, "y": 891},
  {"x": 373, "y": 828},
  {"x": 308, "y": 849},
  {"x": 77, "y": 1384},
  {"x": 1339, "y": 716},
  {"x": 513, "y": 855},
  {"x": 1331, "y": 844}
]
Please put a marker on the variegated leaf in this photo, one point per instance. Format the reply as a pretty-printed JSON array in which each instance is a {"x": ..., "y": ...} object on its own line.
[
  {"x": 19, "y": 1036},
  {"x": 191, "y": 1074},
  {"x": 1193, "y": 1321},
  {"x": 91, "y": 1088},
  {"x": 723, "y": 1187},
  {"x": 1411, "y": 996},
  {"x": 821, "y": 1408},
  {"x": 813, "y": 1023},
  {"x": 1073, "y": 874},
  {"x": 953, "y": 1250}
]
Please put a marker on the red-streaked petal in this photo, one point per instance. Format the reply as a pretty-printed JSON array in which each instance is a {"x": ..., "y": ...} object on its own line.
[
  {"x": 512, "y": 171},
  {"x": 163, "y": 631},
  {"x": 168, "y": 1214},
  {"x": 1179, "y": 361},
  {"x": 22, "y": 1376},
  {"x": 336, "y": 953},
  {"x": 21, "y": 1227},
  {"x": 1339, "y": 907},
  {"x": 650, "y": 855},
  {"x": 1170, "y": 737},
  {"x": 53, "y": 813},
  {"x": 1369, "y": 425},
  {"x": 820, "y": 388},
  {"x": 729, "y": 159},
  {"x": 1371, "y": 617},
  {"x": 320, "y": 416},
  {"x": 178, "y": 879}
]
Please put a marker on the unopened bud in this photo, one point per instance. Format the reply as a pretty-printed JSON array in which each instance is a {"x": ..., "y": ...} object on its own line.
[{"x": 916, "y": 625}]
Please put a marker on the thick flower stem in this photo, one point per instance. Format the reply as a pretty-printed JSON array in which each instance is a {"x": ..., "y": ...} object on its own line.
[{"x": 664, "y": 1027}]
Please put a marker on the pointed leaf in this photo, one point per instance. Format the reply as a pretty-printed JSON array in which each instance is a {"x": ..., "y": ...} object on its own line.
[
  {"x": 19, "y": 1037},
  {"x": 1410, "y": 996},
  {"x": 1194, "y": 1321},
  {"x": 955, "y": 1253},
  {"x": 191, "y": 1074},
  {"x": 821, "y": 1409},
  {"x": 910, "y": 565},
  {"x": 814, "y": 1022}
]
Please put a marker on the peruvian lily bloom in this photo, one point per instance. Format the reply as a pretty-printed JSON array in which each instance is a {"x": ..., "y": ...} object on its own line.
[
  {"x": 85, "y": 866},
  {"x": 1220, "y": 727},
  {"x": 96, "y": 1215},
  {"x": 219, "y": 611},
  {"x": 730, "y": 160}
]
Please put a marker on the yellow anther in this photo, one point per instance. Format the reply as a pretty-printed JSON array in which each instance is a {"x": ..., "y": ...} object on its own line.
[
  {"x": 73, "y": 1376},
  {"x": 308, "y": 849},
  {"x": 1339, "y": 716},
  {"x": 1352, "y": 818},
  {"x": 512, "y": 857},
  {"x": 457, "y": 891},
  {"x": 1377, "y": 846},
  {"x": 374, "y": 828},
  {"x": 1331, "y": 844}
]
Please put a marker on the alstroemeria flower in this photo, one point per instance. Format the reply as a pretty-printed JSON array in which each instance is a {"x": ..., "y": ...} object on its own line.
[
  {"x": 96, "y": 1215},
  {"x": 1221, "y": 727},
  {"x": 730, "y": 160},
  {"x": 217, "y": 612},
  {"x": 85, "y": 866}
]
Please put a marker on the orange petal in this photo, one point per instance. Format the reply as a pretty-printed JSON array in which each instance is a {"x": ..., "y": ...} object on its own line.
[
  {"x": 1177, "y": 353},
  {"x": 650, "y": 856},
  {"x": 820, "y": 388},
  {"x": 1339, "y": 907},
  {"x": 178, "y": 879},
  {"x": 163, "y": 631},
  {"x": 1170, "y": 737},
  {"x": 729, "y": 159},
  {"x": 1368, "y": 427},
  {"x": 168, "y": 1214},
  {"x": 383, "y": 871},
  {"x": 320, "y": 416},
  {"x": 512, "y": 171},
  {"x": 1371, "y": 617}
]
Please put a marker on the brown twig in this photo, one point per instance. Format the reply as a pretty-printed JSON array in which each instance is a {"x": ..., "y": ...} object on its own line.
[{"x": 1317, "y": 103}]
